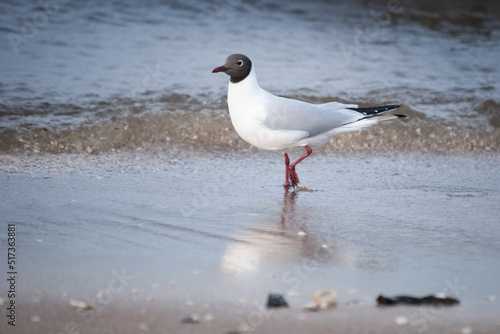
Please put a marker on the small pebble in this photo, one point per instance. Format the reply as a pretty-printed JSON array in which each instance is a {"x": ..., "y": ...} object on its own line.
[
  {"x": 142, "y": 326},
  {"x": 401, "y": 320},
  {"x": 149, "y": 298},
  {"x": 466, "y": 330},
  {"x": 352, "y": 291},
  {"x": 276, "y": 300},
  {"x": 208, "y": 317},
  {"x": 192, "y": 319},
  {"x": 310, "y": 307},
  {"x": 38, "y": 240},
  {"x": 301, "y": 233},
  {"x": 189, "y": 302},
  {"x": 135, "y": 291},
  {"x": 440, "y": 295},
  {"x": 35, "y": 318},
  {"x": 80, "y": 305}
]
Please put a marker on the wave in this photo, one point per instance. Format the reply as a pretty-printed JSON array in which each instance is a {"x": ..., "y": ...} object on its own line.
[{"x": 200, "y": 124}]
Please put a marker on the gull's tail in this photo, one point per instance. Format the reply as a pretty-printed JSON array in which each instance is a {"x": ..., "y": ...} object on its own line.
[
  {"x": 366, "y": 117},
  {"x": 372, "y": 116},
  {"x": 372, "y": 111}
]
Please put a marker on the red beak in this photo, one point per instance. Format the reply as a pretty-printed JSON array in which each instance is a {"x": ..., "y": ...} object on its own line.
[{"x": 219, "y": 69}]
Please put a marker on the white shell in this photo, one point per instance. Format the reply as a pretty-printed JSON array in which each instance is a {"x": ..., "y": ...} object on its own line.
[
  {"x": 325, "y": 299},
  {"x": 401, "y": 320},
  {"x": 80, "y": 305}
]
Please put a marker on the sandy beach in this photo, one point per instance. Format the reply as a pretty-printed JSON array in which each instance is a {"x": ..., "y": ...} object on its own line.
[
  {"x": 149, "y": 239},
  {"x": 129, "y": 204}
]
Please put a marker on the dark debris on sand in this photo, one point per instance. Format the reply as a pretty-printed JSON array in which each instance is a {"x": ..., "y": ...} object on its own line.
[
  {"x": 276, "y": 300},
  {"x": 408, "y": 300}
]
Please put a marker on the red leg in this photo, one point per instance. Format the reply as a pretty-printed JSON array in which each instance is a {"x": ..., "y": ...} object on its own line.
[
  {"x": 287, "y": 171},
  {"x": 293, "y": 175}
]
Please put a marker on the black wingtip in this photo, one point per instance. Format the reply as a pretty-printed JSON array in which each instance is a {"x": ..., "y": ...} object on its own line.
[
  {"x": 375, "y": 110},
  {"x": 400, "y": 116}
]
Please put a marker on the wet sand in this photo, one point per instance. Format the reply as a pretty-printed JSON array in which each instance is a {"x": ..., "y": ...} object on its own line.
[
  {"x": 148, "y": 239},
  {"x": 211, "y": 130}
]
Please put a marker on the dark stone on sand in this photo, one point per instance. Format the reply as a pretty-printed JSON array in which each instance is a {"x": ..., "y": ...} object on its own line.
[
  {"x": 192, "y": 319},
  {"x": 408, "y": 300},
  {"x": 276, "y": 300}
]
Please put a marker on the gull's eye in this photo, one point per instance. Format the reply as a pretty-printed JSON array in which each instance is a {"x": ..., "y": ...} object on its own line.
[{"x": 239, "y": 62}]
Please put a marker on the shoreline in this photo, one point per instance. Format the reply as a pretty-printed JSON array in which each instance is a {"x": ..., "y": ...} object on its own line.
[
  {"x": 200, "y": 132},
  {"x": 125, "y": 161}
]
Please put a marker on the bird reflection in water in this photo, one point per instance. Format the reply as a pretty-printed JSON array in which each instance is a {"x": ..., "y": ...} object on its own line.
[{"x": 273, "y": 243}]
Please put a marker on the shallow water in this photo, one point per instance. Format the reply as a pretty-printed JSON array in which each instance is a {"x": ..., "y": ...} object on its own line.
[
  {"x": 219, "y": 228},
  {"x": 74, "y": 68}
]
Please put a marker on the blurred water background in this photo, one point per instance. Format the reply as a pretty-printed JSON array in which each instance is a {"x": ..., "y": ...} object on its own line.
[{"x": 98, "y": 76}]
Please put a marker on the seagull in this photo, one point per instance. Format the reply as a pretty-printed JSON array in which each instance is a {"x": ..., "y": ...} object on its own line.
[{"x": 276, "y": 123}]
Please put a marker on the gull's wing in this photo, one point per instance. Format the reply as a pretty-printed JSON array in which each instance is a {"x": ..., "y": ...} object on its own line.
[{"x": 294, "y": 115}]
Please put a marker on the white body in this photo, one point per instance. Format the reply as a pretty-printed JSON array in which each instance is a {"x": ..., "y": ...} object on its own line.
[{"x": 275, "y": 123}]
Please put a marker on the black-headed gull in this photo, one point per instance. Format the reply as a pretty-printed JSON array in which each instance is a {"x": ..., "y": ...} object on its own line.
[{"x": 276, "y": 123}]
